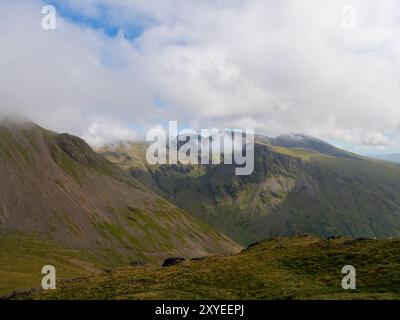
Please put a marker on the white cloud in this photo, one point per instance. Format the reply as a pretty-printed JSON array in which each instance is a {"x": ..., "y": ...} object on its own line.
[
  {"x": 367, "y": 139},
  {"x": 104, "y": 131},
  {"x": 279, "y": 67}
]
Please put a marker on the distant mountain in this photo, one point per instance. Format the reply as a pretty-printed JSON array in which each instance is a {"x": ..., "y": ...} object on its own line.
[
  {"x": 300, "y": 185},
  {"x": 389, "y": 157},
  {"x": 306, "y": 142},
  {"x": 55, "y": 188}
]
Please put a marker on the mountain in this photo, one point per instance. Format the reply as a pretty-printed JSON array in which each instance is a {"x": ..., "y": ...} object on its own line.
[
  {"x": 299, "y": 185},
  {"x": 395, "y": 157},
  {"x": 56, "y": 192},
  {"x": 286, "y": 268},
  {"x": 310, "y": 143}
]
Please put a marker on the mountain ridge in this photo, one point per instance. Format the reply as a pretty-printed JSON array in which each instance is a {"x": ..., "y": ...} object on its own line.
[
  {"x": 56, "y": 186},
  {"x": 321, "y": 190}
]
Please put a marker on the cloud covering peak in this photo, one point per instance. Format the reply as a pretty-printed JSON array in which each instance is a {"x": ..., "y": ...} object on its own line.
[{"x": 277, "y": 67}]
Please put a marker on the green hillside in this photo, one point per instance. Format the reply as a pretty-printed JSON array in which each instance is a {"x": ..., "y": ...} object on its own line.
[
  {"x": 287, "y": 268},
  {"x": 56, "y": 189},
  {"x": 314, "y": 188},
  {"x": 22, "y": 258}
]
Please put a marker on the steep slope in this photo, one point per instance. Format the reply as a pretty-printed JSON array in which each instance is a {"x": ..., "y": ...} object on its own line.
[
  {"x": 292, "y": 191},
  {"x": 56, "y": 187},
  {"x": 288, "y": 268}
]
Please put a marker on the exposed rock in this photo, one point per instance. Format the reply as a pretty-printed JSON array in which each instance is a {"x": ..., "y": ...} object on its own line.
[{"x": 172, "y": 261}]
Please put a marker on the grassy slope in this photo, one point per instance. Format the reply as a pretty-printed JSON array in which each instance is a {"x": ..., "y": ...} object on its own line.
[
  {"x": 56, "y": 187},
  {"x": 346, "y": 197},
  {"x": 287, "y": 268},
  {"x": 22, "y": 258},
  {"x": 292, "y": 191}
]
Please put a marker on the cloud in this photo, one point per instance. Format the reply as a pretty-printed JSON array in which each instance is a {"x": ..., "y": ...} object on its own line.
[
  {"x": 367, "y": 139},
  {"x": 65, "y": 78},
  {"x": 278, "y": 67},
  {"x": 103, "y": 132}
]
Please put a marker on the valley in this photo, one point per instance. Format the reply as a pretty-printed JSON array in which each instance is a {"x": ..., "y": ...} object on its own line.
[
  {"x": 299, "y": 185},
  {"x": 107, "y": 221}
]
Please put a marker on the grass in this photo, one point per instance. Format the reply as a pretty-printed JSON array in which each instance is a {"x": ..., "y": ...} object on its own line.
[
  {"x": 9, "y": 146},
  {"x": 67, "y": 164},
  {"x": 22, "y": 258},
  {"x": 302, "y": 154},
  {"x": 287, "y": 268}
]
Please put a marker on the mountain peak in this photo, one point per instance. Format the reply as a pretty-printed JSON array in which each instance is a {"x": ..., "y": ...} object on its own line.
[
  {"x": 303, "y": 141},
  {"x": 15, "y": 121},
  {"x": 298, "y": 137}
]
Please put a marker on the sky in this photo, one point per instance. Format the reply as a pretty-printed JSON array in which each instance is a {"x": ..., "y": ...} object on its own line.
[{"x": 111, "y": 70}]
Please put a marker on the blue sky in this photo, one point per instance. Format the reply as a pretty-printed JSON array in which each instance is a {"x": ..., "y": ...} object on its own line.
[{"x": 131, "y": 24}]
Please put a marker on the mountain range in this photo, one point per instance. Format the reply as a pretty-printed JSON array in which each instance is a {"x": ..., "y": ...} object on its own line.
[
  {"x": 86, "y": 211},
  {"x": 300, "y": 184}
]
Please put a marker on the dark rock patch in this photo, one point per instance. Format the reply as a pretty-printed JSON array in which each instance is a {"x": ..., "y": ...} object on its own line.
[{"x": 172, "y": 261}]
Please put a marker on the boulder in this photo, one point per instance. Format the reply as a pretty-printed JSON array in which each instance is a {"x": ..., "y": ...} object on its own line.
[{"x": 173, "y": 261}]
